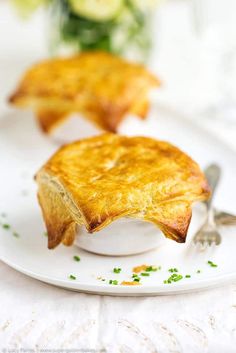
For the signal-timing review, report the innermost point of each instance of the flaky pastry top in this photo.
(101, 86)
(93, 182)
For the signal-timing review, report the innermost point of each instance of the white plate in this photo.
(23, 149)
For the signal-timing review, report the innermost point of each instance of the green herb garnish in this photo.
(187, 276)
(113, 281)
(153, 268)
(173, 278)
(76, 258)
(116, 269)
(134, 275)
(177, 278)
(145, 274)
(173, 270)
(198, 271)
(136, 279)
(211, 264)
(6, 226)
(72, 277)
(15, 234)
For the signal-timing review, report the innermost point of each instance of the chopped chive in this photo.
(145, 274)
(113, 281)
(116, 269)
(72, 277)
(103, 279)
(178, 278)
(134, 275)
(76, 258)
(211, 264)
(173, 270)
(187, 276)
(173, 278)
(137, 279)
(152, 268)
(6, 226)
(15, 234)
(198, 271)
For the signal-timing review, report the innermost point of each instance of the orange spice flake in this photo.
(127, 283)
(140, 268)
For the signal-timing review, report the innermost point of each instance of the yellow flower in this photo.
(145, 4)
(98, 10)
(26, 7)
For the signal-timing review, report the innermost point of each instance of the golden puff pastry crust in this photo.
(101, 86)
(93, 182)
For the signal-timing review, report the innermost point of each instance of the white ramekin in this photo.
(76, 127)
(126, 236)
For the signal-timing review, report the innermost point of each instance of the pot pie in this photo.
(101, 86)
(95, 181)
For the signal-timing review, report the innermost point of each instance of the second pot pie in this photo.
(101, 86)
(95, 181)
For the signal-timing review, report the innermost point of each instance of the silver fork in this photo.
(208, 233)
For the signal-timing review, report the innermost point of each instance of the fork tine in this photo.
(207, 237)
(203, 245)
(210, 241)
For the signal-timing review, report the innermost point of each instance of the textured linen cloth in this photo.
(37, 316)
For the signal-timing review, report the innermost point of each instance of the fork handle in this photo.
(212, 173)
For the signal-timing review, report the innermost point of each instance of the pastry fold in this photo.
(102, 87)
(93, 182)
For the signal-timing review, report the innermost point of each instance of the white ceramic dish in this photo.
(126, 236)
(23, 149)
(76, 127)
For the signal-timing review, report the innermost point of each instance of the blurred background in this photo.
(190, 44)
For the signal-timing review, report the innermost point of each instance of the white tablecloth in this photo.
(36, 316)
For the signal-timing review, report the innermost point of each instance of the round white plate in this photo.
(23, 149)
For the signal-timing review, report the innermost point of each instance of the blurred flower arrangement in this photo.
(118, 26)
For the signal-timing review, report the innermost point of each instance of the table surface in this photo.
(35, 316)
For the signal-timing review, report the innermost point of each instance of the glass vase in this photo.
(127, 33)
